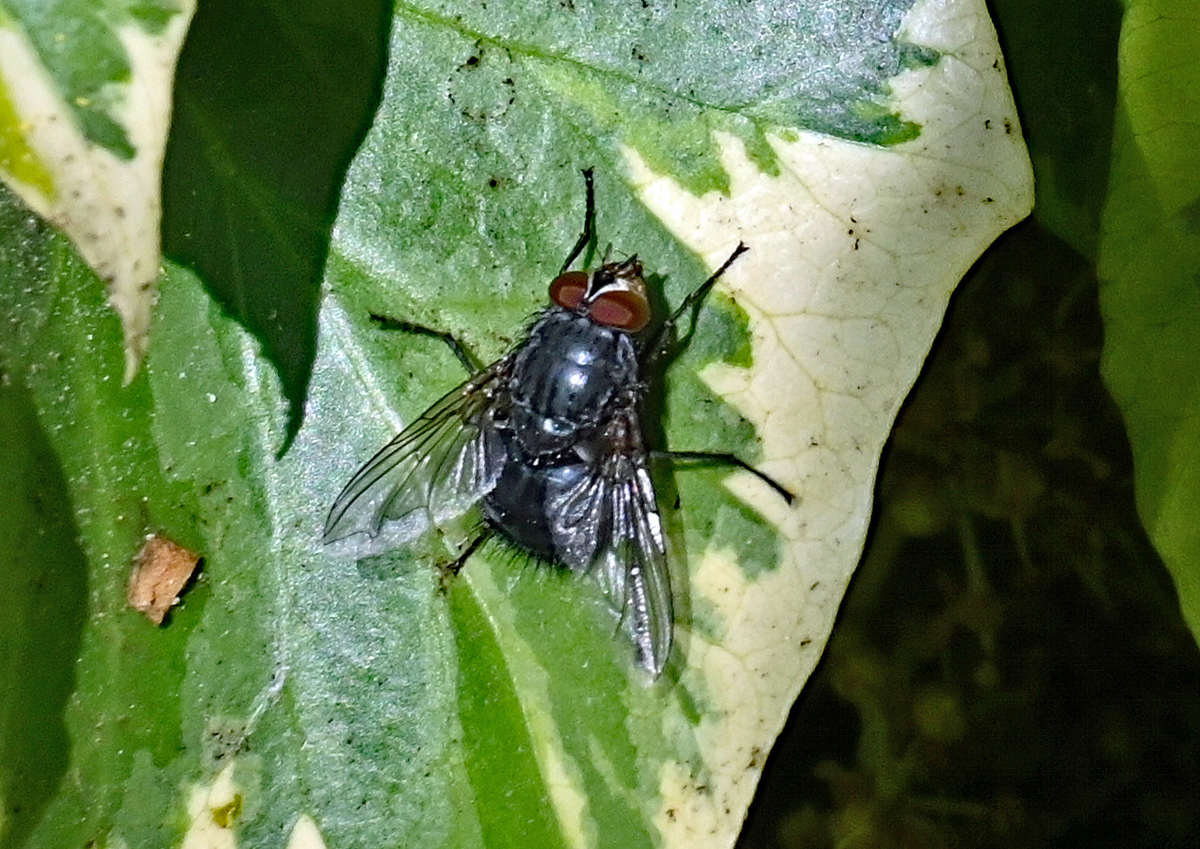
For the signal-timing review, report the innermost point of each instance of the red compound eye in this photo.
(568, 289)
(622, 309)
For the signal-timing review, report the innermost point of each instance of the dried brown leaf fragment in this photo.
(161, 570)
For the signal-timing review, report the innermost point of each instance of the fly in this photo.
(548, 441)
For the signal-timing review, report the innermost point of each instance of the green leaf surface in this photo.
(61, 343)
(1150, 253)
(381, 702)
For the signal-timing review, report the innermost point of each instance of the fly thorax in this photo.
(565, 379)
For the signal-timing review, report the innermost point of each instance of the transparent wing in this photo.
(606, 522)
(433, 471)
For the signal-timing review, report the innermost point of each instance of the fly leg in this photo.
(470, 362)
(589, 221)
(664, 337)
(449, 571)
(707, 458)
(664, 340)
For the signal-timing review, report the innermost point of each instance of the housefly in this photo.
(548, 442)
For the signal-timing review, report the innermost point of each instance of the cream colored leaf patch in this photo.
(213, 811)
(854, 252)
(105, 194)
(305, 835)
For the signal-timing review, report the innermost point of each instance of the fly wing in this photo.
(606, 522)
(433, 471)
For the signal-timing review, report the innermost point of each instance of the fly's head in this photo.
(613, 295)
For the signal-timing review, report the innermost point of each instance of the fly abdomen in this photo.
(517, 506)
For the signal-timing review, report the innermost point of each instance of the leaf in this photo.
(271, 102)
(1063, 67)
(63, 346)
(1150, 249)
(84, 110)
(378, 703)
(835, 229)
